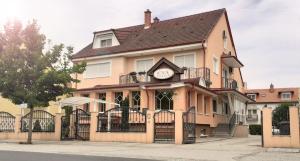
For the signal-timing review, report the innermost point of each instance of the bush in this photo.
(255, 129)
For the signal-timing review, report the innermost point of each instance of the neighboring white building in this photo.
(271, 97)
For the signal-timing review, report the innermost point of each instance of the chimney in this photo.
(271, 88)
(156, 20)
(147, 19)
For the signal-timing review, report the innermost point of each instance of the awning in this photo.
(79, 101)
(231, 61)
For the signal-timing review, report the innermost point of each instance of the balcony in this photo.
(229, 83)
(252, 117)
(189, 73)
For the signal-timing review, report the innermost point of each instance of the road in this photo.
(33, 156)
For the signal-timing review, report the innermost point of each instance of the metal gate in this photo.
(189, 125)
(76, 125)
(164, 126)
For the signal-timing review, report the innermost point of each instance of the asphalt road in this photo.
(32, 156)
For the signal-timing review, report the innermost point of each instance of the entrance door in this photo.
(76, 125)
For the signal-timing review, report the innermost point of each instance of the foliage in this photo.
(125, 114)
(37, 126)
(255, 129)
(280, 114)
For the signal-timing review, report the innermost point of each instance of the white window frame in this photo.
(100, 62)
(185, 54)
(105, 42)
(142, 59)
(250, 96)
(216, 67)
(286, 93)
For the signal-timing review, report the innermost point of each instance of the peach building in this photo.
(272, 98)
(169, 65)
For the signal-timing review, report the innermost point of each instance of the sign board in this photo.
(163, 73)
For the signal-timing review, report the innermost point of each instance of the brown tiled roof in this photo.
(178, 31)
(266, 96)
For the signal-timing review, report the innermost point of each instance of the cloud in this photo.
(266, 32)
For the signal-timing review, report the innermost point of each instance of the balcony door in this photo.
(225, 77)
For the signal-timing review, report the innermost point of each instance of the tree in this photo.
(281, 113)
(31, 74)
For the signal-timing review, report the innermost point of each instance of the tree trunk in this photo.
(29, 139)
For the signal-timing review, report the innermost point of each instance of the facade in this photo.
(272, 98)
(169, 65)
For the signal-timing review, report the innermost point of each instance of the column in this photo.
(294, 126)
(58, 126)
(109, 98)
(150, 127)
(178, 127)
(94, 105)
(93, 125)
(179, 99)
(267, 126)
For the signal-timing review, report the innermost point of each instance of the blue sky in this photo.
(266, 32)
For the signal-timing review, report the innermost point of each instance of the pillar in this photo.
(267, 126)
(58, 126)
(144, 99)
(109, 98)
(94, 105)
(179, 99)
(93, 125)
(178, 127)
(294, 126)
(150, 126)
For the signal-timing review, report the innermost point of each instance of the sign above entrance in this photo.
(163, 73)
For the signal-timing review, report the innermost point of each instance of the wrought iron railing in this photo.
(42, 121)
(232, 122)
(7, 122)
(189, 126)
(252, 117)
(196, 73)
(280, 123)
(134, 77)
(229, 83)
(121, 119)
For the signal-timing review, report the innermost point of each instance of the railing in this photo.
(196, 73)
(229, 83)
(280, 123)
(42, 121)
(121, 119)
(252, 117)
(189, 73)
(232, 122)
(7, 122)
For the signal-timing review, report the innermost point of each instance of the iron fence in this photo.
(164, 126)
(121, 119)
(189, 126)
(7, 122)
(42, 121)
(280, 123)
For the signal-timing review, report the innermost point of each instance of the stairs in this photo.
(222, 131)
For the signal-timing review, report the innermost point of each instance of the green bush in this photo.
(255, 129)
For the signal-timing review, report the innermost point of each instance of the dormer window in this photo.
(286, 96)
(103, 40)
(252, 96)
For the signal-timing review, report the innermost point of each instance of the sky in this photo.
(266, 32)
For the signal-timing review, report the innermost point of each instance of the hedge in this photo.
(255, 129)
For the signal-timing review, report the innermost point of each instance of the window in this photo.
(286, 96)
(225, 39)
(226, 108)
(102, 106)
(164, 100)
(143, 65)
(136, 99)
(185, 60)
(254, 112)
(216, 65)
(106, 43)
(98, 70)
(118, 97)
(215, 106)
(252, 96)
(87, 105)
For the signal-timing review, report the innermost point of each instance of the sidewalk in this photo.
(242, 149)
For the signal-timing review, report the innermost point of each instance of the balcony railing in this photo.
(252, 117)
(229, 83)
(189, 73)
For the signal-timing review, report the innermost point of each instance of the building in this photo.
(271, 97)
(168, 65)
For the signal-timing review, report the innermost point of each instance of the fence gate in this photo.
(189, 125)
(164, 126)
(76, 125)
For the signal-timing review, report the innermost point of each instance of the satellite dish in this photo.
(202, 82)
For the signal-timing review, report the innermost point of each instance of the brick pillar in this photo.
(58, 126)
(178, 127)
(144, 99)
(150, 127)
(93, 125)
(179, 99)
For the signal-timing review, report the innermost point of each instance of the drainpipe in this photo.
(204, 58)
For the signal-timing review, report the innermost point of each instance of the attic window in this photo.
(286, 95)
(103, 40)
(225, 39)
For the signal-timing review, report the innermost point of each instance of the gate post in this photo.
(93, 125)
(58, 126)
(150, 126)
(178, 127)
(267, 126)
